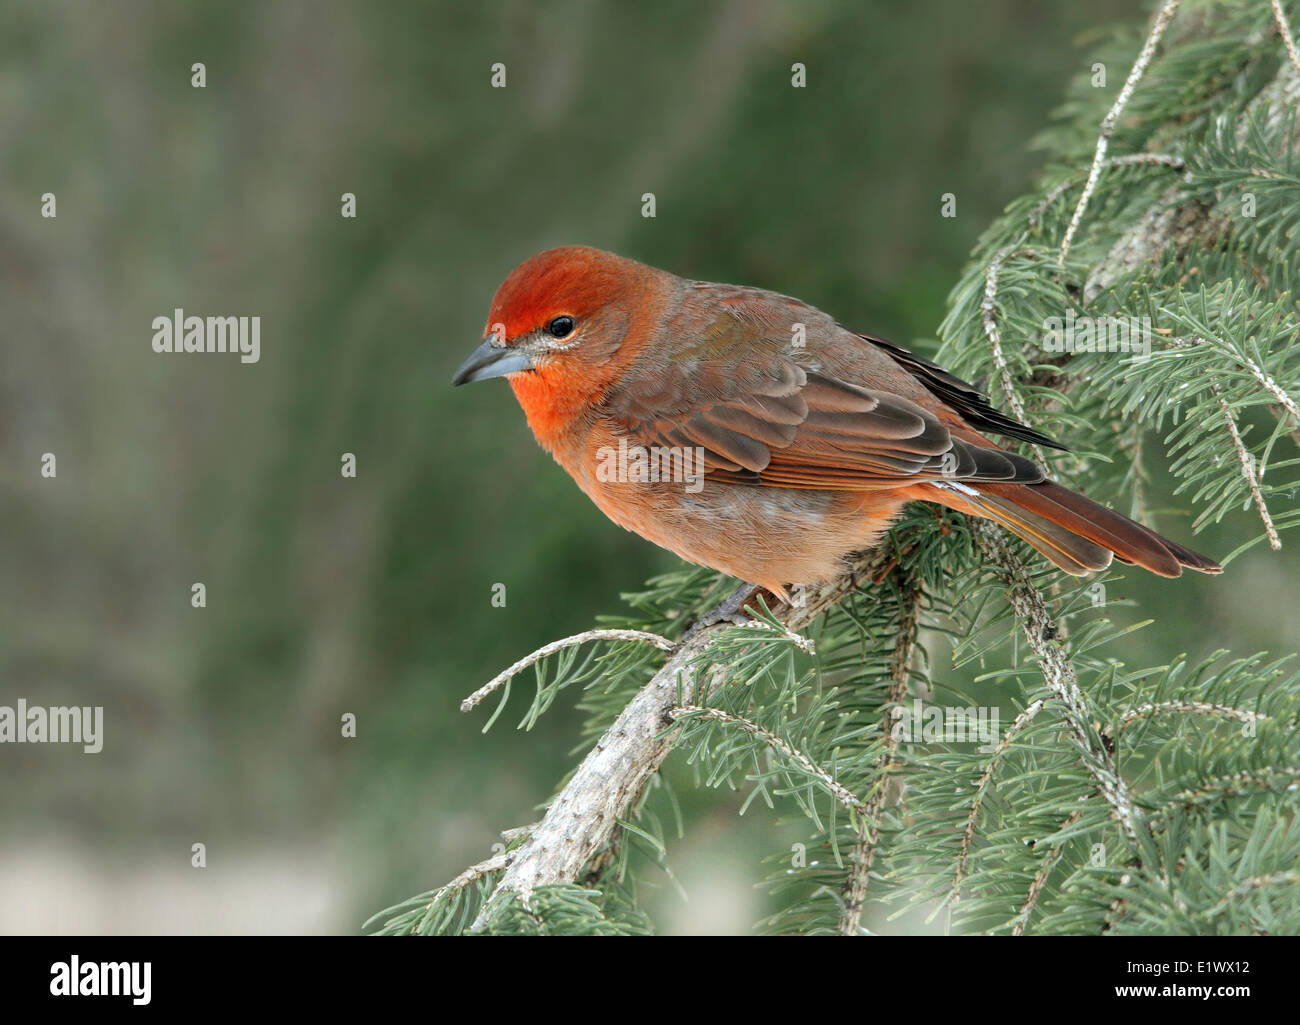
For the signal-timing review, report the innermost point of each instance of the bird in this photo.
(785, 442)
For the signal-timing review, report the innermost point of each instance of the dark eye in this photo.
(560, 327)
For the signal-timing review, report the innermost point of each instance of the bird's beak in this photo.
(490, 360)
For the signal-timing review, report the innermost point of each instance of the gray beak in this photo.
(490, 360)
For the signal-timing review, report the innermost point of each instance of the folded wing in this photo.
(762, 416)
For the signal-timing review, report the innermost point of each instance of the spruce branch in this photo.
(1284, 400)
(1162, 19)
(981, 788)
(584, 815)
(470, 876)
(1247, 886)
(1236, 784)
(1248, 472)
(1283, 409)
(1040, 878)
(1168, 160)
(862, 858)
(1193, 707)
(1059, 674)
(989, 309)
(1179, 218)
(838, 790)
(503, 677)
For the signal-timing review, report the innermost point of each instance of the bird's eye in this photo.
(560, 327)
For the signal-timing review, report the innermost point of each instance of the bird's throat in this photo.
(554, 404)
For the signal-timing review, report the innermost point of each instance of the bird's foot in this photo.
(731, 610)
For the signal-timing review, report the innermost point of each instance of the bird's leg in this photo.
(731, 610)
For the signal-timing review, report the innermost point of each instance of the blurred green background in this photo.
(372, 596)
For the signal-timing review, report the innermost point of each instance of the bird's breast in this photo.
(765, 535)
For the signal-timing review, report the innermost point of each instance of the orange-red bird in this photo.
(812, 437)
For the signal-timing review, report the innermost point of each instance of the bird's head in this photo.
(562, 327)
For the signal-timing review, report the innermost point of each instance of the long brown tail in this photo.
(1076, 533)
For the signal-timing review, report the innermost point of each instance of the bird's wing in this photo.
(764, 414)
(961, 396)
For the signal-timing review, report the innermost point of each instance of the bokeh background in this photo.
(372, 595)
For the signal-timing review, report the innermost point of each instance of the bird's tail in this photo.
(1076, 533)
